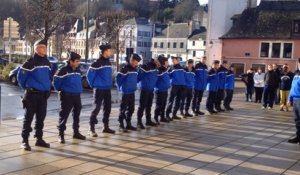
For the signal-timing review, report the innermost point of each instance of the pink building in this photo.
(264, 35)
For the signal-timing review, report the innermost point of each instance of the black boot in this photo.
(122, 127)
(175, 117)
(187, 114)
(295, 140)
(140, 125)
(200, 113)
(25, 145)
(92, 132)
(106, 129)
(78, 136)
(41, 143)
(150, 123)
(130, 127)
(61, 138)
(156, 120)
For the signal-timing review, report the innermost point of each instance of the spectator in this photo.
(271, 82)
(249, 82)
(259, 85)
(277, 91)
(285, 86)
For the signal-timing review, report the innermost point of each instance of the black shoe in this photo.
(175, 117)
(200, 113)
(220, 110)
(169, 118)
(295, 140)
(188, 115)
(156, 120)
(122, 128)
(130, 127)
(92, 132)
(108, 130)
(150, 123)
(164, 120)
(140, 126)
(181, 113)
(25, 145)
(78, 136)
(41, 143)
(214, 112)
(61, 139)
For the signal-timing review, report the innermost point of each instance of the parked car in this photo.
(13, 73)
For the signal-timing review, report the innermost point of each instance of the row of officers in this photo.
(156, 77)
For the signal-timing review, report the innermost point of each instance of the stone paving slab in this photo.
(247, 141)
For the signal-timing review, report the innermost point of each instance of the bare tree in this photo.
(43, 17)
(109, 25)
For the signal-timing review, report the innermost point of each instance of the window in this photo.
(204, 43)
(287, 50)
(264, 50)
(140, 33)
(145, 44)
(256, 66)
(239, 69)
(181, 45)
(155, 45)
(169, 45)
(139, 44)
(297, 26)
(194, 43)
(161, 45)
(194, 53)
(174, 45)
(276, 47)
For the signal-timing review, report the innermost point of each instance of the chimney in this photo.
(252, 3)
(84, 23)
(191, 27)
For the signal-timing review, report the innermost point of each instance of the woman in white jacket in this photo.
(259, 85)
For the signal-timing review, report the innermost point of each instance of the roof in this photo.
(198, 34)
(138, 21)
(176, 30)
(271, 19)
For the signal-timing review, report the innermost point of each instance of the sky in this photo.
(206, 1)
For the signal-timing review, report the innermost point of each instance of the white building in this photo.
(196, 44)
(137, 34)
(173, 40)
(219, 14)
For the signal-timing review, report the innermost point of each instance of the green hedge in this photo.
(5, 70)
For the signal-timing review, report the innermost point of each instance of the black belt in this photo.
(69, 94)
(33, 90)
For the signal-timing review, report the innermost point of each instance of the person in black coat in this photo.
(248, 79)
(285, 85)
(271, 82)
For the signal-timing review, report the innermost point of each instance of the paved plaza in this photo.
(247, 141)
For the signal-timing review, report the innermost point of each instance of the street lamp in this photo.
(87, 32)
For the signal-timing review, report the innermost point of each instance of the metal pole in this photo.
(9, 39)
(0, 105)
(87, 32)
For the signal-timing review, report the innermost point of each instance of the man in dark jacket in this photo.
(286, 79)
(99, 77)
(271, 82)
(212, 87)
(222, 73)
(248, 79)
(68, 82)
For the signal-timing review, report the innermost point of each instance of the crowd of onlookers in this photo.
(271, 86)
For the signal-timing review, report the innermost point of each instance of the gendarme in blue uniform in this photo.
(127, 79)
(212, 80)
(229, 84)
(68, 80)
(36, 74)
(201, 76)
(99, 75)
(147, 76)
(163, 81)
(177, 75)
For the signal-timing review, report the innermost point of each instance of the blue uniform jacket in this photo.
(68, 80)
(222, 74)
(212, 80)
(189, 78)
(201, 76)
(230, 80)
(163, 80)
(35, 73)
(177, 75)
(127, 79)
(99, 75)
(295, 90)
(147, 76)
